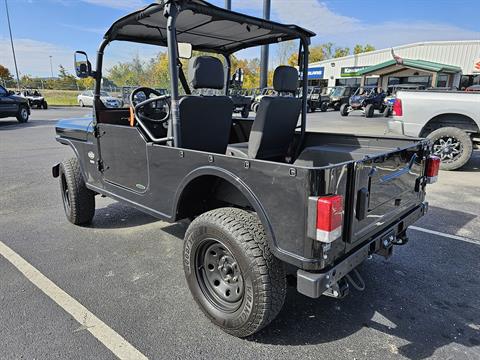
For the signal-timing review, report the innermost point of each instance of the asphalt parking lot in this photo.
(126, 269)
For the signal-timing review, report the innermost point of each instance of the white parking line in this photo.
(455, 237)
(107, 336)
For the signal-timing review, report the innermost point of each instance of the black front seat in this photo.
(275, 122)
(205, 121)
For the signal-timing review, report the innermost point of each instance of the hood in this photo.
(18, 98)
(109, 98)
(357, 99)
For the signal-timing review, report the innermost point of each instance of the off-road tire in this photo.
(369, 110)
(45, 105)
(324, 107)
(22, 115)
(78, 200)
(245, 112)
(263, 275)
(344, 110)
(466, 146)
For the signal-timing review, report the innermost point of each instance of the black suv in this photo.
(13, 105)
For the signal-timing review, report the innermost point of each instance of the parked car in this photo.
(392, 95)
(475, 88)
(35, 98)
(263, 201)
(313, 98)
(366, 99)
(86, 99)
(13, 105)
(339, 95)
(450, 119)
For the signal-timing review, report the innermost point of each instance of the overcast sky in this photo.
(43, 28)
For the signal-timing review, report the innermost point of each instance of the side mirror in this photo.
(11, 92)
(184, 50)
(83, 68)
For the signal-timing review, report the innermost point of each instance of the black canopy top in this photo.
(205, 26)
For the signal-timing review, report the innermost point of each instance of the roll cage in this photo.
(207, 28)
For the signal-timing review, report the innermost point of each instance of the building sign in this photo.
(476, 66)
(351, 71)
(315, 73)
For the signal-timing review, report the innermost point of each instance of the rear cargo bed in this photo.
(383, 178)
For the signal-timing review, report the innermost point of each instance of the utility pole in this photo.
(51, 66)
(13, 48)
(228, 4)
(264, 54)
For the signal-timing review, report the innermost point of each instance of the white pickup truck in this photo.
(451, 119)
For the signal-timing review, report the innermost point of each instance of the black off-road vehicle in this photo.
(338, 96)
(367, 99)
(313, 99)
(13, 105)
(261, 194)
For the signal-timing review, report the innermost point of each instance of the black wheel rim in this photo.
(448, 149)
(219, 276)
(65, 195)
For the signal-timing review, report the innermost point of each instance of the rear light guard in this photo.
(432, 168)
(326, 218)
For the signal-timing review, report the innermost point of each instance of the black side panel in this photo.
(124, 156)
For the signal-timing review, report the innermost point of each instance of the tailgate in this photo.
(383, 189)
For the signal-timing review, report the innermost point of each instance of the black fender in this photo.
(240, 185)
(56, 170)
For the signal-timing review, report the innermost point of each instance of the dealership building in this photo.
(432, 64)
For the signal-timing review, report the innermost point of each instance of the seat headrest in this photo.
(206, 72)
(285, 79)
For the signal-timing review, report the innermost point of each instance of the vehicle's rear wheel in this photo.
(324, 107)
(45, 105)
(245, 112)
(344, 110)
(22, 115)
(369, 110)
(78, 200)
(233, 276)
(81, 103)
(452, 145)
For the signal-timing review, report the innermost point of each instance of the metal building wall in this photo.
(458, 53)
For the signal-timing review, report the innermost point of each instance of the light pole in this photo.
(13, 48)
(228, 4)
(51, 66)
(264, 54)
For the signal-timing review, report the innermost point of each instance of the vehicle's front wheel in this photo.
(22, 115)
(453, 146)
(45, 105)
(369, 110)
(81, 103)
(231, 272)
(78, 200)
(324, 107)
(344, 110)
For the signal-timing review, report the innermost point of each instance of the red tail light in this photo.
(433, 165)
(329, 218)
(397, 107)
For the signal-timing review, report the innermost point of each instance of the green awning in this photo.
(415, 64)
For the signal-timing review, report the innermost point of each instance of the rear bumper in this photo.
(315, 284)
(395, 127)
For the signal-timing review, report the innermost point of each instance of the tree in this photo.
(285, 50)
(5, 74)
(358, 49)
(65, 79)
(340, 52)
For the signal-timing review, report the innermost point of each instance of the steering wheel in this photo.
(154, 109)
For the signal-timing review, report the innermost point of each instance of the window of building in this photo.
(372, 81)
(348, 82)
(442, 80)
